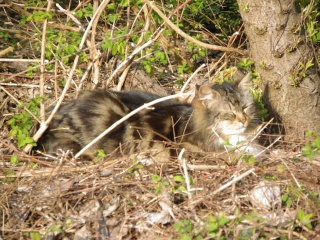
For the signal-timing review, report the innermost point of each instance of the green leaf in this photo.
(148, 68)
(14, 160)
(35, 236)
(181, 189)
(57, 229)
(222, 219)
(114, 50)
(178, 178)
(183, 226)
(305, 218)
(156, 178)
(111, 6)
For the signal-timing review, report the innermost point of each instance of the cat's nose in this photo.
(241, 118)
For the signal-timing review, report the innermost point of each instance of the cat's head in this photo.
(228, 108)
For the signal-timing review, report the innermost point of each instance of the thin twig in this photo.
(192, 76)
(42, 64)
(71, 16)
(94, 52)
(243, 175)
(19, 85)
(20, 60)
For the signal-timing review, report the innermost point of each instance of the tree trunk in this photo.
(279, 49)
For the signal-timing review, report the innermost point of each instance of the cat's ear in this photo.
(206, 97)
(245, 83)
(207, 93)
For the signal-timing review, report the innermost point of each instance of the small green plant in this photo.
(195, 49)
(183, 68)
(214, 224)
(179, 180)
(184, 228)
(160, 183)
(85, 12)
(312, 148)
(32, 68)
(179, 188)
(100, 155)
(257, 94)
(225, 75)
(136, 167)
(299, 73)
(8, 178)
(304, 218)
(35, 236)
(212, 227)
(246, 64)
(287, 199)
(56, 229)
(157, 59)
(14, 160)
(40, 16)
(310, 12)
(245, 7)
(21, 123)
(36, 3)
(115, 46)
(5, 36)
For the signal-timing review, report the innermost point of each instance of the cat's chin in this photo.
(232, 131)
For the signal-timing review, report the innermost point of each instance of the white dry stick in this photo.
(185, 167)
(19, 85)
(185, 171)
(192, 76)
(71, 15)
(205, 167)
(21, 60)
(243, 175)
(42, 66)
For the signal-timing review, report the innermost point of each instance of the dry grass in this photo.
(122, 199)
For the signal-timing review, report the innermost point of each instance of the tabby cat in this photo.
(220, 114)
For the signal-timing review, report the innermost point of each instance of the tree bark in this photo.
(278, 46)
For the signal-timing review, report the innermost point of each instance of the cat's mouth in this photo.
(226, 128)
(233, 131)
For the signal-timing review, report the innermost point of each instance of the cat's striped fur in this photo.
(219, 114)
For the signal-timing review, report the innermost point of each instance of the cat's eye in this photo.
(229, 116)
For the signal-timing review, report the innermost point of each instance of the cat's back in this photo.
(78, 122)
